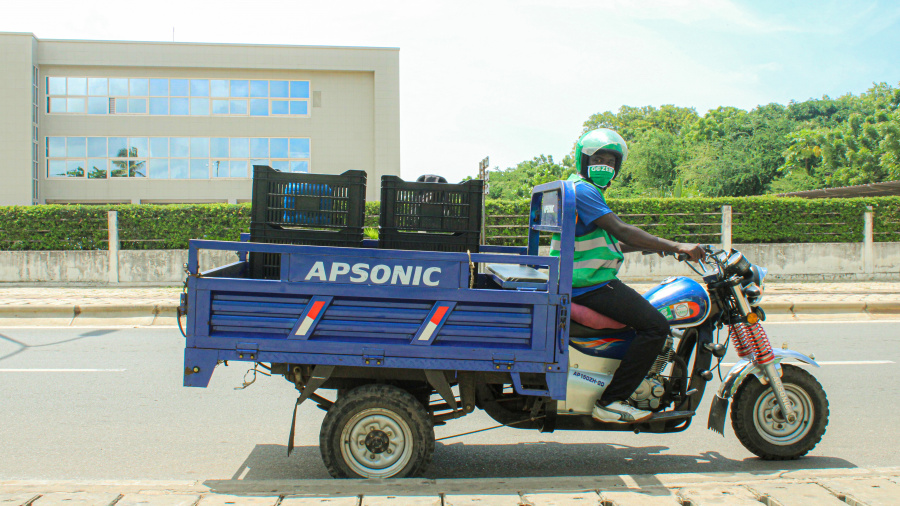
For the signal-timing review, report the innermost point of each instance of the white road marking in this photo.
(838, 362)
(62, 370)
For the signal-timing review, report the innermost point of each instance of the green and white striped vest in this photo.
(598, 255)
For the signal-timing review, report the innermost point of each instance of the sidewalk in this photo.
(146, 306)
(826, 487)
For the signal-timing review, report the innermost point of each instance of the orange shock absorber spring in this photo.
(740, 338)
(760, 343)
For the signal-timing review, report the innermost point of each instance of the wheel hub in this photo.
(377, 441)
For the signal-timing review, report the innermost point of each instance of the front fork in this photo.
(757, 358)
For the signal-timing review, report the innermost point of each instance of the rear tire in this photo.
(376, 431)
(760, 425)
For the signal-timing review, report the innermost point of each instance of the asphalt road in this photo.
(108, 404)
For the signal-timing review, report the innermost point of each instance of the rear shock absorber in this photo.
(751, 339)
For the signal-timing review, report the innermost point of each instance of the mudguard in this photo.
(735, 378)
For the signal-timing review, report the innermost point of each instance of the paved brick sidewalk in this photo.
(863, 487)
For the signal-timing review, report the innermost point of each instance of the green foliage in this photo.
(762, 219)
(53, 227)
(517, 182)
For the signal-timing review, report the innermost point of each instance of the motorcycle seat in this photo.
(578, 330)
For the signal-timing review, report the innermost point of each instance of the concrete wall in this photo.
(786, 262)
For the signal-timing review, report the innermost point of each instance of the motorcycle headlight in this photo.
(757, 276)
(753, 293)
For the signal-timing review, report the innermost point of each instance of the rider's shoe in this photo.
(619, 412)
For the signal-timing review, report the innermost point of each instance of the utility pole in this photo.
(484, 176)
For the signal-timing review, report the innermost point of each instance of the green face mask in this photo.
(601, 175)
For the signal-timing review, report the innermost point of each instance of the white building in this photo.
(164, 122)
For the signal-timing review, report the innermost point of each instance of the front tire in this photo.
(376, 431)
(761, 426)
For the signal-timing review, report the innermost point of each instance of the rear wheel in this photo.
(763, 429)
(376, 431)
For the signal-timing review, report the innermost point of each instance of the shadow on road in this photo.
(21, 346)
(564, 466)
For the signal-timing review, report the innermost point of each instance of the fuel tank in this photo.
(683, 301)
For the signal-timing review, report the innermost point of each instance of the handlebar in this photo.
(681, 257)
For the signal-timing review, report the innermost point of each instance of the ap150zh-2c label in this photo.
(376, 271)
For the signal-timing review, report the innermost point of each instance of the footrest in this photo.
(514, 277)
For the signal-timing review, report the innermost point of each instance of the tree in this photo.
(517, 182)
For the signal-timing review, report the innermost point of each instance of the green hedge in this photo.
(755, 220)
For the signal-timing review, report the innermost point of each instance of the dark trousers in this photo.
(620, 302)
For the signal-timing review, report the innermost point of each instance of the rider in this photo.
(601, 238)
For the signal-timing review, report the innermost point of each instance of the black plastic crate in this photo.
(431, 207)
(313, 201)
(268, 265)
(389, 238)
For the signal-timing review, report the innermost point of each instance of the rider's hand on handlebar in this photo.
(694, 252)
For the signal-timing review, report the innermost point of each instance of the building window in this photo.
(172, 157)
(35, 80)
(177, 97)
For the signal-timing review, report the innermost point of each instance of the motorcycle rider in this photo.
(601, 239)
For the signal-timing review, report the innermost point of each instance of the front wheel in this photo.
(761, 426)
(376, 431)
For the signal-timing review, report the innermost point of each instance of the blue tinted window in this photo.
(159, 87)
(278, 89)
(301, 166)
(259, 161)
(56, 146)
(96, 146)
(199, 88)
(57, 105)
(218, 147)
(98, 86)
(118, 147)
(56, 86)
(98, 105)
(259, 107)
(239, 168)
(56, 168)
(137, 168)
(238, 107)
(75, 168)
(279, 107)
(220, 107)
(219, 168)
(178, 106)
(139, 87)
(137, 105)
(138, 147)
(281, 165)
(240, 148)
(75, 147)
(298, 107)
(299, 148)
(199, 107)
(278, 148)
(259, 88)
(179, 147)
(159, 169)
(259, 148)
(118, 168)
(96, 168)
(118, 87)
(159, 106)
(199, 168)
(178, 168)
(240, 88)
(299, 89)
(178, 87)
(121, 105)
(159, 147)
(218, 88)
(77, 85)
(75, 105)
(199, 147)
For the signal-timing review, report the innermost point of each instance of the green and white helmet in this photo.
(601, 139)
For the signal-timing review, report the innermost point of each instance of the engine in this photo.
(648, 394)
